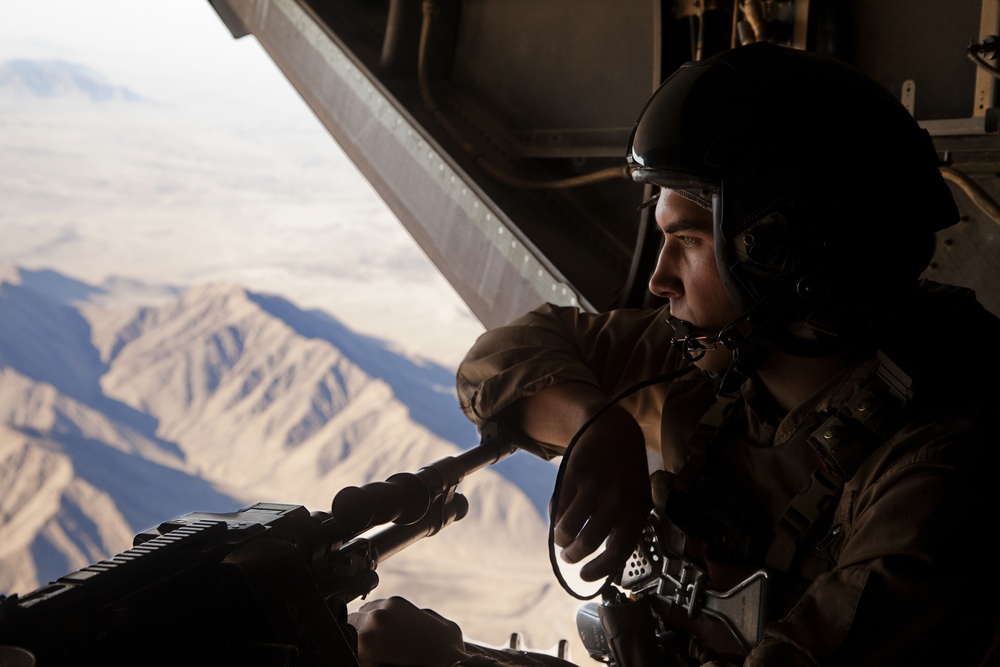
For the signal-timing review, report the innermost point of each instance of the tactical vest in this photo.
(700, 595)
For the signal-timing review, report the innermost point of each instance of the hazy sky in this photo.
(166, 49)
(249, 187)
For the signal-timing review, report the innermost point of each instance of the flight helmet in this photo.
(826, 194)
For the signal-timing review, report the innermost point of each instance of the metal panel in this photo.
(920, 45)
(565, 80)
(471, 241)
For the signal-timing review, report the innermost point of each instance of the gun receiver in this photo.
(268, 584)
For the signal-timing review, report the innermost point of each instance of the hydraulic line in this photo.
(983, 52)
(975, 193)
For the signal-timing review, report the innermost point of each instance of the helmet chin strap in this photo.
(747, 341)
(693, 345)
(751, 336)
(747, 352)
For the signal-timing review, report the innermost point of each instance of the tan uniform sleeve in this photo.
(554, 344)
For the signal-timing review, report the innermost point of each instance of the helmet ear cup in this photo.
(775, 268)
(754, 239)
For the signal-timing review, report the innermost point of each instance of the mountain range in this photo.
(59, 78)
(184, 190)
(124, 405)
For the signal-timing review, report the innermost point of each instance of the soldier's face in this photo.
(686, 271)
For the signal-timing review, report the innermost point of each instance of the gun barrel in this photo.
(394, 539)
(350, 572)
(405, 498)
(495, 445)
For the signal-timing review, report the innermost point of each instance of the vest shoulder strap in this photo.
(841, 442)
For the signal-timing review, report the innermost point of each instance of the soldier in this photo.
(821, 412)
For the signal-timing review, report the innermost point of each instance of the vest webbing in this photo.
(842, 442)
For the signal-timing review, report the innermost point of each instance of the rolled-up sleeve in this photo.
(556, 344)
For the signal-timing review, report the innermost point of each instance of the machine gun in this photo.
(266, 585)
